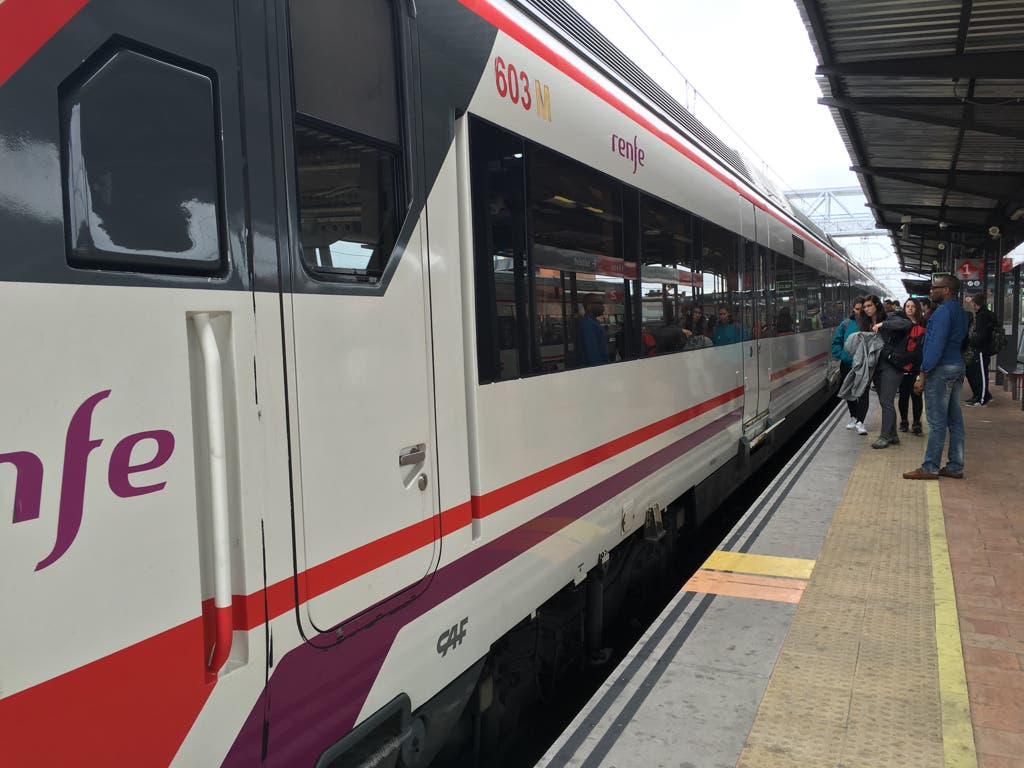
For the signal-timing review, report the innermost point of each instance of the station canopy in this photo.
(929, 100)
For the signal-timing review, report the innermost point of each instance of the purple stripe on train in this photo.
(317, 693)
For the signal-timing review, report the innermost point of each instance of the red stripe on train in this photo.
(797, 366)
(496, 18)
(26, 25)
(498, 499)
(149, 695)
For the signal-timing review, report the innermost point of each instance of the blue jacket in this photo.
(843, 332)
(728, 333)
(593, 341)
(947, 328)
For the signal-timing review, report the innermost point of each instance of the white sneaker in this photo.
(852, 424)
(861, 429)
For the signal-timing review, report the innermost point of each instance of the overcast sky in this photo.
(752, 61)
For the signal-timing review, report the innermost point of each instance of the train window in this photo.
(347, 135)
(834, 304)
(556, 283)
(674, 317)
(784, 295)
(499, 215)
(807, 294)
(720, 284)
(751, 299)
(344, 65)
(581, 283)
(140, 167)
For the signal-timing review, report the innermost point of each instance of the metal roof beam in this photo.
(879, 170)
(935, 213)
(998, 65)
(873, 107)
(920, 178)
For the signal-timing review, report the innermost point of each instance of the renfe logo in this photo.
(630, 151)
(78, 444)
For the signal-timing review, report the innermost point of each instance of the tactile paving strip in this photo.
(857, 682)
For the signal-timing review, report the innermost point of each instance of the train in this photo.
(302, 459)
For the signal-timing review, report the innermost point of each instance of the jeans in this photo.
(942, 408)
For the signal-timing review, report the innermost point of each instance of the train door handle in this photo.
(414, 454)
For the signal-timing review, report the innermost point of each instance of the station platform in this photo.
(851, 618)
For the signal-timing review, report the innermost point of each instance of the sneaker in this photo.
(978, 404)
(916, 429)
(987, 400)
(880, 443)
(904, 426)
(852, 424)
(920, 474)
(861, 429)
(971, 401)
(947, 473)
(894, 441)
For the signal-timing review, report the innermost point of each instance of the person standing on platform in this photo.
(893, 329)
(847, 327)
(911, 359)
(926, 310)
(981, 346)
(864, 347)
(941, 379)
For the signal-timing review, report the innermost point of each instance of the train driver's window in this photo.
(348, 135)
(139, 156)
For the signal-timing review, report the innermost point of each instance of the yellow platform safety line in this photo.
(957, 731)
(762, 565)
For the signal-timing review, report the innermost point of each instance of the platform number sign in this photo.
(971, 273)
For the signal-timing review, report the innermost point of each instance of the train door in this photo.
(357, 316)
(756, 373)
(130, 352)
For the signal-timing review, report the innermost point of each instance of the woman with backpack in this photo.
(847, 327)
(911, 356)
(892, 329)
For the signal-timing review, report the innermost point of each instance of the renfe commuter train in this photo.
(301, 459)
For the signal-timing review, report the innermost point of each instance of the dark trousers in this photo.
(887, 381)
(977, 377)
(860, 406)
(907, 394)
(844, 370)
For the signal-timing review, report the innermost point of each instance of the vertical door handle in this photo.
(216, 457)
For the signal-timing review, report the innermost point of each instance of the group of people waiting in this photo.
(914, 350)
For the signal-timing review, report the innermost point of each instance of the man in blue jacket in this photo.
(942, 378)
(592, 340)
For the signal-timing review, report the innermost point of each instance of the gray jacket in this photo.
(864, 347)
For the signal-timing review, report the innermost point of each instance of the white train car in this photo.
(308, 449)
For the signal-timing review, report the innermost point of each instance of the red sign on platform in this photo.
(969, 270)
